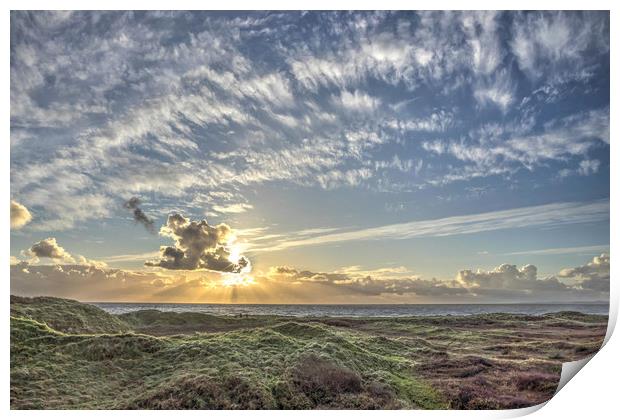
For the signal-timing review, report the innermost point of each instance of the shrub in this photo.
(322, 380)
(205, 393)
(182, 394)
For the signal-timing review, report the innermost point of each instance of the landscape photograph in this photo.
(290, 210)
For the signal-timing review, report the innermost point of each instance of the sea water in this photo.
(391, 310)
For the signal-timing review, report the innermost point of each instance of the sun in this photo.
(234, 252)
(234, 256)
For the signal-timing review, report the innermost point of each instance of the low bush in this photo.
(321, 380)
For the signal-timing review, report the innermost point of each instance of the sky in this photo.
(291, 157)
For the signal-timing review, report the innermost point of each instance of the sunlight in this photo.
(237, 279)
(235, 252)
(306, 210)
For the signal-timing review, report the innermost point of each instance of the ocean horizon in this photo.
(358, 310)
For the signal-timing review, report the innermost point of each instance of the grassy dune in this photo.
(65, 354)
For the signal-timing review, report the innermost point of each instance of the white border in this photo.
(592, 395)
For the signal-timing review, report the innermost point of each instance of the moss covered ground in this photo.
(66, 354)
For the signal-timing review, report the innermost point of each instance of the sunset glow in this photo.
(369, 157)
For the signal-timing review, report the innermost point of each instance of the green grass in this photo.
(67, 315)
(65, 354)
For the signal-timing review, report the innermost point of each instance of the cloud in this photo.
(274, 106)
(508, 277)
(503, 150)
(85, 282)
(481, 29)
(498, 92)
(562, 251)
(232, 208)
(506, 282)
(49, 248)
(199, 245)
(354, 284)
(272, 88)
(570, 136)
(20, 215)
(96, 283)
(589, 166)
(352, 177)
(558, 43)
(437, 121)
(130, 257)
(138, 215)
(382, 56)
(594, 275)
(83, 261)
(356, 101)
(547, 215)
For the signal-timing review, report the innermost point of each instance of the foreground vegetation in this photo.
(65, 354)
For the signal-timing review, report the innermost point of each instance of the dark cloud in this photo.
(138, 215)
(199, 245)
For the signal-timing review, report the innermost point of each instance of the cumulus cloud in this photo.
(593, 275)
(508, 277)
(49, 248)
(504, 283)
(370, 285)
(20, 215)
(199, 245)
(138, 215)
(82, 260)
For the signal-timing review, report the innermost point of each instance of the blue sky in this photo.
(399, 147)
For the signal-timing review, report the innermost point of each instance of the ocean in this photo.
(396, 310)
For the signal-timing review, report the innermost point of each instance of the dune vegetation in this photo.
(69, 355)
